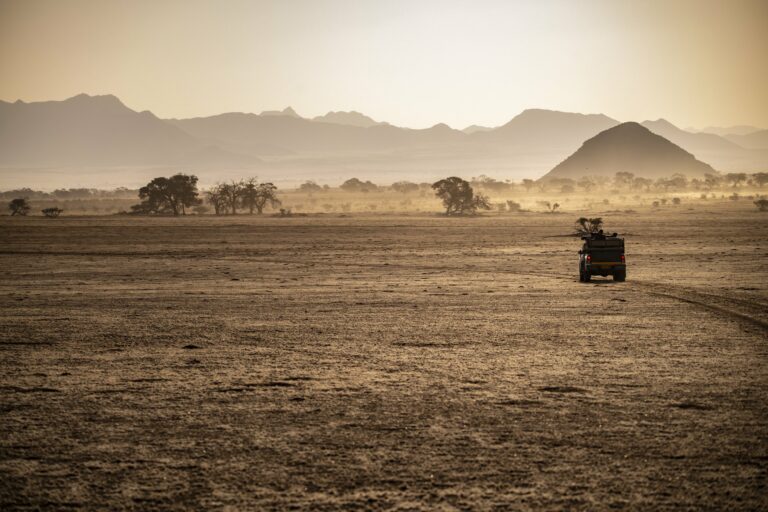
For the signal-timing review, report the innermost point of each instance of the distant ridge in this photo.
(476, 128)
(351, 118)
(95, 131)
(754, 140)
(693, 142)
(102, 134)
(725, 131)
(629, 147)
(537, 129)
(287, 111)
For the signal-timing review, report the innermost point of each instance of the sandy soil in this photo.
(383, 362)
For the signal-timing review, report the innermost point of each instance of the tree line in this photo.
(177, 194)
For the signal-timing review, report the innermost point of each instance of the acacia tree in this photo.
(257, 195)
(19, 206)
(585, 226)
(623, 179)
(712, 181)
(52, 212)
(355, 185)
(231, 194)
(760, 179)
(216, 199)
(310, 187)
(552, 207)
(640, 183)
(404, 187)
(736, 178)
(168, 195)
(586, 183)
(458, 196)
(528, 184)
(678, 181)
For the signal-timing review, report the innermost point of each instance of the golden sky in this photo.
(410, 62)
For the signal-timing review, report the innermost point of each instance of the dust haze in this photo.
(405, 256)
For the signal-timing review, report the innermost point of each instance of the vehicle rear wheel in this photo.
(620, 276)
(587, 277)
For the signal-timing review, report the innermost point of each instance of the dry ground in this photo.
(383, 362)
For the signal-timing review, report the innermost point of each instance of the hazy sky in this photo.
(412, 63)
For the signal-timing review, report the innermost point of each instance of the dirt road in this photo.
(382, 362)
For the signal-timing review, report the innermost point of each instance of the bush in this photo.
(551, 207)
(585, 226)
(355, 185)
(52, 212)
(405, 187)
(762, 204)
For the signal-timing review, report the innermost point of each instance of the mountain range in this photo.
(101, 132)
(725, 131)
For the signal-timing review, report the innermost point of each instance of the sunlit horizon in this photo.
(415, 65)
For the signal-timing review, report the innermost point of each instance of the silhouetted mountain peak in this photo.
(351, 118)
(624, 129)
(474, 128)
(628, 147)
(287, 111)
(694, 142)
(88, 130)
(543, 113)
(659, 123)
(101, 100)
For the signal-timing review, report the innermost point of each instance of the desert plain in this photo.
(383, 361)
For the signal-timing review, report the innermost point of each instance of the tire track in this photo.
(752, 312)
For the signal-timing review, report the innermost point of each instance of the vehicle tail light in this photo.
(589, 258)
(622, 259)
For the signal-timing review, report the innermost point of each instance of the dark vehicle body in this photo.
(602, 255)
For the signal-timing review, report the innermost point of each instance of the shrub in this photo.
(52, 212)
(585, 226)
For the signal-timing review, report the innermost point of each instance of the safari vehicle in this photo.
(602, 255)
